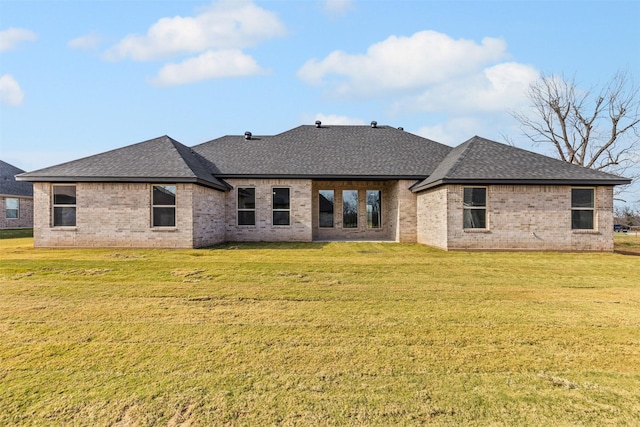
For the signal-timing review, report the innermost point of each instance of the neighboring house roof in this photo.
(158, 160)
(326, 152)
(482, 161)
(8, 184)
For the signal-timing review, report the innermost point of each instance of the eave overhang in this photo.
(153, 180)
(416, 188)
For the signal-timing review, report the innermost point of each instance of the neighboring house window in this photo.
(164, 206)
(326, 201)
(350, 209)
(246, 206)
(64, 205)
(582, 213)
(374, 209)
(475, 207)
(12, 208)
(281, 206)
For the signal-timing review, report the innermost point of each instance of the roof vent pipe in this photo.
(247, 135)
(374, 124)
(318, 123)
(400, 128)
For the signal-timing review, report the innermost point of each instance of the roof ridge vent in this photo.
(374, 124)
(247, 135)
(318, 124)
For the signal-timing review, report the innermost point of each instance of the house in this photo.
(322, 183)
(16, 199)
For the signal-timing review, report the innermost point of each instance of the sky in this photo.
(80, 77)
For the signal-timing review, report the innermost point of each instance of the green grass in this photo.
(16, 233)
(317, 334)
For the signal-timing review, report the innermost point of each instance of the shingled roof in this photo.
(8, 184)
(158, 160)
(482, 161)
(326, 152)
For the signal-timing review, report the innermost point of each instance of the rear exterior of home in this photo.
(324, 183)
(16, 199)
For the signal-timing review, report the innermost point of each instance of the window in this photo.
(374, 209)
(350, 209)
(325, 200)
(475, 208)
(164, 206)
(64, 205)
(582, 203)
(246, 206)
(12, 208)
(281, 206)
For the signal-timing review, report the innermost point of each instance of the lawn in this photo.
(318, 334)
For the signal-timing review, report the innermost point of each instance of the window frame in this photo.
(333, 209)
(239, 209)
(55, 206)
(471, 208)
(7, 208)
(355, 226)
(370, 214)
(275, 210)
(591, 209)
(155, 206)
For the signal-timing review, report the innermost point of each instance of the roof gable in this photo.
(326, 151)
(481, 160)
(8, 184)
(157, 160)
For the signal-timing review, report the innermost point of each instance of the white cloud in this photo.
(227, 24)
(404, 63)
(10, 91)
(337, 7)
(453, 132)
(334, 119)
(495, 88)
(209, 65)
(86, 42)
(10, 37)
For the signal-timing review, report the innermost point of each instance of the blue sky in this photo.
(81, 77)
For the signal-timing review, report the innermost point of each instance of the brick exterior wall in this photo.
(25, 213)
(119, 215)
(432, 218)
(299, 229)
(519, 217)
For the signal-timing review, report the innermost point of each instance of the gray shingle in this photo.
(328, 151)
(8, 184)
(483, 161)
(157, 160)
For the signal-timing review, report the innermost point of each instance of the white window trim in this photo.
(592, 209)
(54, 206)
(238, 210)
(273, 210)
(174, 206)
(6, 209)
(485, 208)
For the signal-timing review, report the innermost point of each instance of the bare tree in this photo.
(598, 129)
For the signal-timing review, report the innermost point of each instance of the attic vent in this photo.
(374, 124)
(247, 135)
(318, 123)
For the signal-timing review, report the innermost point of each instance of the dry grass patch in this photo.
(317, 334)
